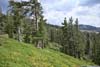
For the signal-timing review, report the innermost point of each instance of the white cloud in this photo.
(89, 15)
(56, 10)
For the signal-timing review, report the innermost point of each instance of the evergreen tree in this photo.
(35, 11)
(72, 41)
(2, 22)
(10, 29)
(51, 35)
(16, 11)
(78, 41)
(65, 44)
(96, 48)
(27, 30)
(71, 37)
(42, 33)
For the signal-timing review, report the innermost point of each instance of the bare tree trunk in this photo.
(40, 44)
(36, 21)
(19, 34)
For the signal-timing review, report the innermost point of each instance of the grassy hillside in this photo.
(15, 54)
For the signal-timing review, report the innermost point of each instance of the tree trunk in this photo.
(40, 44)
(19, 34)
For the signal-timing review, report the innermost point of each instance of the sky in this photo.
(87, 11)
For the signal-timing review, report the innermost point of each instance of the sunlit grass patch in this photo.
(15, 54)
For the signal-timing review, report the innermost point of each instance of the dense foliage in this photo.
(79, 44)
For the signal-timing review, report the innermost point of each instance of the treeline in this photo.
(24, 22)
(82, 45)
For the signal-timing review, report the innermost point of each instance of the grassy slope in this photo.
(15, 54)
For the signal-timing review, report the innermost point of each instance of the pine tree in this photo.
(42, 31)
(65, 44)
(41, 36)
(10, 29)
(35, 11)
(71, 37)
(96, 57)
(78, 40)
(27, 30)
(72, 40)
(2, 22)
(16, 11)
(51, 35)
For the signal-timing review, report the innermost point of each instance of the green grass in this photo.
(15, 54)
